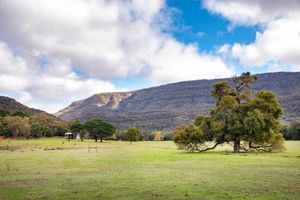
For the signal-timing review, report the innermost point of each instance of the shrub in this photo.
(158, 136)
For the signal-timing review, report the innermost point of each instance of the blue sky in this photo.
(192, 23)
(53, 52)
(206, 29)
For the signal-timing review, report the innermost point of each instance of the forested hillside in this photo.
(166, 106)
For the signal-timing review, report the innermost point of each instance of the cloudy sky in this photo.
(53, 52)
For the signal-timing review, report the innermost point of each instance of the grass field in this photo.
(58, 169)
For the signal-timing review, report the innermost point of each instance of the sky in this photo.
(54, 52)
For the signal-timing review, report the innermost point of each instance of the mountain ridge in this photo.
(12, 105)
(155, 109)
(163, 107)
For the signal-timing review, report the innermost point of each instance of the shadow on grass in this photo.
(243, 153)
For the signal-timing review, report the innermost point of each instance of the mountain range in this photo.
(164, 107)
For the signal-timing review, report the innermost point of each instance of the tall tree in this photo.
(36, 130)
(132, 134)
(18, 126)
(51, 125)
(99, 128)
(158, 136)
(78, 127)
(238, 116)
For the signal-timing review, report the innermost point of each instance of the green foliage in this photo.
(113, 137)
(40, 124)
(237, 117)
(142, 135)
(147, 135)
(50, 126)
(17, 126)
(121, 135)
(168, 136)
(220, 90)
(76, 126)
(132, 134)
(99, 128)
(36, 130)
(4, 113)
(20, 114)
(79, 128)
(189, 137)
(292, 130)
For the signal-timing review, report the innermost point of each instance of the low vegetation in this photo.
(54, 168)
(24, 125)
(133, 134)
(291, 130)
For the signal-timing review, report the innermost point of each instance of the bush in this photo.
(292, 130)
(36, 130)
(113, 137)
(158, 136)
(121, 135)
(168, 136)
(148, 136)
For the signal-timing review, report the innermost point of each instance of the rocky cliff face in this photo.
(164, 107)
(91, 106)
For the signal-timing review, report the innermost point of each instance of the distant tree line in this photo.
(127, 135)
(23, 125)
(98, 129)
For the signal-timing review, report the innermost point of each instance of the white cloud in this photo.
(252, 12)
(103, 39)
(12, 70)
(50, 88)
(278, 42)
(106, 39)
(190, 66)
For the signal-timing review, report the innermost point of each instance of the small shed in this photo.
(70, 136)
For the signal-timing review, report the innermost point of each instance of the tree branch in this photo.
(260, 147)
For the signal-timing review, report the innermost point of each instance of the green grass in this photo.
(143, 170)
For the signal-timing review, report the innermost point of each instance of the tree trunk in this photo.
(100, 139)
(237, 145)
(95, 138)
